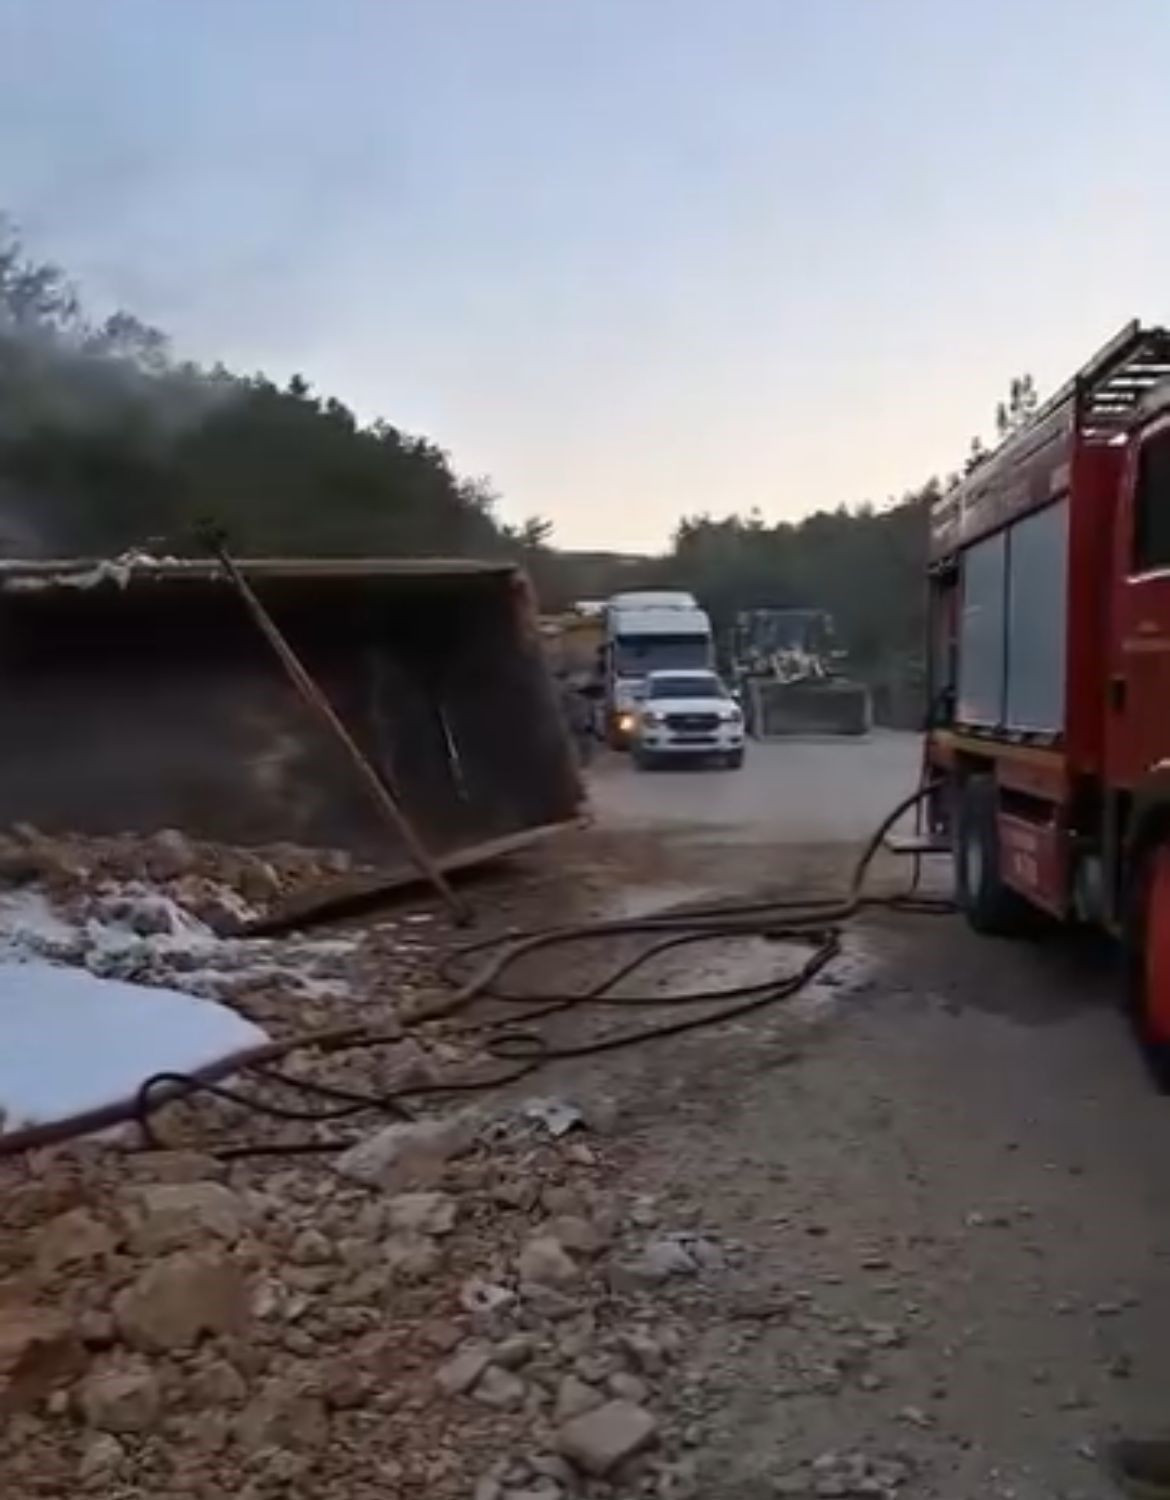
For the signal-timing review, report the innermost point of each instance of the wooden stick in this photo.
(317, 702)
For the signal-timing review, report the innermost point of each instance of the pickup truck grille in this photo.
(692, 723)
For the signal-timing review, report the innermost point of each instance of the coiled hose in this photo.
(522, 1049)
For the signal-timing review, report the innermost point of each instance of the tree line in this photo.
(108, 442)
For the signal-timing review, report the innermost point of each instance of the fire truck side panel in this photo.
(1035, 625)
(981, 643)
(1034, 858)
(1096, 478)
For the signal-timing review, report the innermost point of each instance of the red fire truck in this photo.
(1050, 670)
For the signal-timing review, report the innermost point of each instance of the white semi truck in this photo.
(648, 631)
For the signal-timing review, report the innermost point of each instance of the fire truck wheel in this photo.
(1148, 958)
(989, 905)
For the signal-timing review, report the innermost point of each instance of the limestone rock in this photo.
(102, 1456)
(75, 1238)
(500, 1389)
(422, 1213)
(311, 1248)
(513, 1352)
(410, 1257)
(408, 1153)
(39, 1351)
(627, 1387)
(574, 1397)
(120, 1397)
(601, 1439)
(545, 1260)
(177, 1299)
(171, 1216)
(581, 1235)
(285, 1414)
(658, 1262)
(218, 1383)
(176, 1166)
(462, 1370)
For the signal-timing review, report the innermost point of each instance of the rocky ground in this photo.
(905, 1235)
(463, 1303)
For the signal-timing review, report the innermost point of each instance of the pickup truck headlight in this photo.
(732, 716)
(651, 718)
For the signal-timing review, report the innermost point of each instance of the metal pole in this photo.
(317, 702)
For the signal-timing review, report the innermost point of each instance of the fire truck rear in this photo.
(1050, 671)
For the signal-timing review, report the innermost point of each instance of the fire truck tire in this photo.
(989, 905)
(1147, 944)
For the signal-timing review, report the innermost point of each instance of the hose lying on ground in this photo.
(522, 1050)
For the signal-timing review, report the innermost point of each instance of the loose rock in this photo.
(177, 1299)
(72, 1239)
(422, 1213)
(408, 1153)
(168, 1216)
(545, 1261)
(461, 1372)
(39, 1350)
(574, 1397)
(121, 1397)
(600, 1440)
(500, 1389)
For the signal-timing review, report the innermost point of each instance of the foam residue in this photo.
(134, 931)
(71, 1042)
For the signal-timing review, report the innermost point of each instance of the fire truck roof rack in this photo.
(1111, 386)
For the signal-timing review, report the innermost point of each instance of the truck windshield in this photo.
(635, 655)
(693, 685)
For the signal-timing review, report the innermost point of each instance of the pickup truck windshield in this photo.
(635, 655)
(695, 685)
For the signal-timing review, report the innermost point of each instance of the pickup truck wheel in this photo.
(989, 905)
(645, 760)
(1148, 959)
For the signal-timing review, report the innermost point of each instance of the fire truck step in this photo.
(917, 843)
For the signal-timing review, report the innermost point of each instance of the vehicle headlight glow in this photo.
(625, 722)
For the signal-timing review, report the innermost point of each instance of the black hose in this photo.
(814, 923)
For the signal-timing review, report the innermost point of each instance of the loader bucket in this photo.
(829, 706)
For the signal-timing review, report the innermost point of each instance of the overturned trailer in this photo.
(139, 694)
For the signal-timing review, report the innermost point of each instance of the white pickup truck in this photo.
(687, 715)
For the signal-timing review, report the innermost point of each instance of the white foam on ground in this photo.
(136, 932)
(29, 925)
(71, 1042)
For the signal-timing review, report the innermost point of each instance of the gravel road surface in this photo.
(940, 1177)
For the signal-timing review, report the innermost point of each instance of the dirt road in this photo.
(800, 791)
(905, 1234)
(940, 1179)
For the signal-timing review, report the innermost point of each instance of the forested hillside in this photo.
(108, 442)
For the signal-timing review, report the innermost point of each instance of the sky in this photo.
(631, 259)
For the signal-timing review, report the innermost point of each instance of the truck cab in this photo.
(649, 631)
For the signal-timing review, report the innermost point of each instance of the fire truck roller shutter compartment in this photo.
(1037, 558)
(981, 663)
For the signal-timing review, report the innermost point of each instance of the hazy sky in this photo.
(630, 258)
